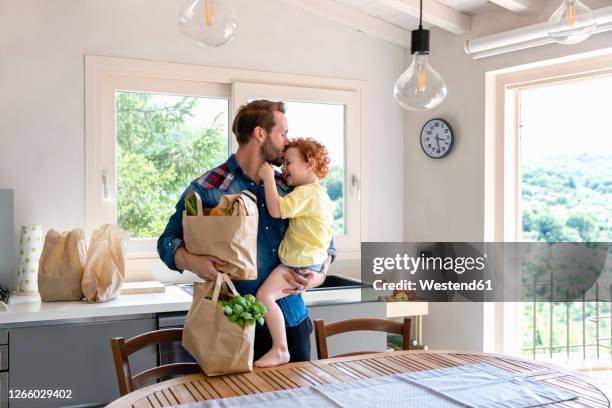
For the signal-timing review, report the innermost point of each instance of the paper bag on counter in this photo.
(61, 265)
(219, 345)
(105, 267)
(231, 237)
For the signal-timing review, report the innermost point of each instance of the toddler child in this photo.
(304, 246)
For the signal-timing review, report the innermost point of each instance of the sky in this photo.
(567, 119)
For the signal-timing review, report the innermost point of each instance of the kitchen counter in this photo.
(30, 311)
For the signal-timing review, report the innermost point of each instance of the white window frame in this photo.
(106, 75)
(503, 212)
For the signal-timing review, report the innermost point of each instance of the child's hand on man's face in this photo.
(266, 171)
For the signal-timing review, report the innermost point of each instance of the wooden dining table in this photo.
(199, 387)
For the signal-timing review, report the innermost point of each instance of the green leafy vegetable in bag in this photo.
(241, 310)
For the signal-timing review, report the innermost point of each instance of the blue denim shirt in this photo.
(230, 179)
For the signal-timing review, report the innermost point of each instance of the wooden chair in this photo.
(323, 331)
(122, 349)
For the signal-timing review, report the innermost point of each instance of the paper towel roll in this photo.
(30, 249)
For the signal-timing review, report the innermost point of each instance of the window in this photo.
(566, 183)
(151, 128)
(566, 161)
(547, 179)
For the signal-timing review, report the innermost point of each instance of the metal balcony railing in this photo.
(601, 342)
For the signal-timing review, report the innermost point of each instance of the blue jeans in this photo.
(297, 269)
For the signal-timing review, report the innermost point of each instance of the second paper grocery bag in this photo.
(105, 267)
(219, 345)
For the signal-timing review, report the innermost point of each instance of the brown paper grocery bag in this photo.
(61, 265)
(105, 267)
(232, 237)
(219, 345)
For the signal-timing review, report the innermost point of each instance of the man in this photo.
(261, 130)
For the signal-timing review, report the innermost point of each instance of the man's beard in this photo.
(271, 154)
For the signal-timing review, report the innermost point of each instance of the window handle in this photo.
(105, 184)
(356, 182)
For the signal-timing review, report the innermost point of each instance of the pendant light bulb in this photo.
(210, 23)
(571, 23)
(420, 87)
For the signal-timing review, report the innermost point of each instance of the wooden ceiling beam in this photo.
(355, 19)
(434, 13)
(517, 6)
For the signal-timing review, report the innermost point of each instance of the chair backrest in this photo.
(122, 349)
(323, 331)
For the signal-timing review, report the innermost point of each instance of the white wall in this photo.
(444, 199)
(42, 44)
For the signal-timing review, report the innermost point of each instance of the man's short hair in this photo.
(256, 113)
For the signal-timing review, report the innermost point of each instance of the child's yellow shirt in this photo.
(310, 212)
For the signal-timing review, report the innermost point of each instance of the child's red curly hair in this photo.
(311, 149)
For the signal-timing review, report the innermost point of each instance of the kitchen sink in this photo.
(187, 287)
(340, 282)
(332, 282)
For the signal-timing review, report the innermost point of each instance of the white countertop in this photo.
(30, 309)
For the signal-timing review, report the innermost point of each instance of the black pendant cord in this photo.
(421, 16)
(420, 38)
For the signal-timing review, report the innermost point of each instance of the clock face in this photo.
(437, 138)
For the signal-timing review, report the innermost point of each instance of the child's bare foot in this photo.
(273, 358)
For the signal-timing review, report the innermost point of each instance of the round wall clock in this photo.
(437, 138)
